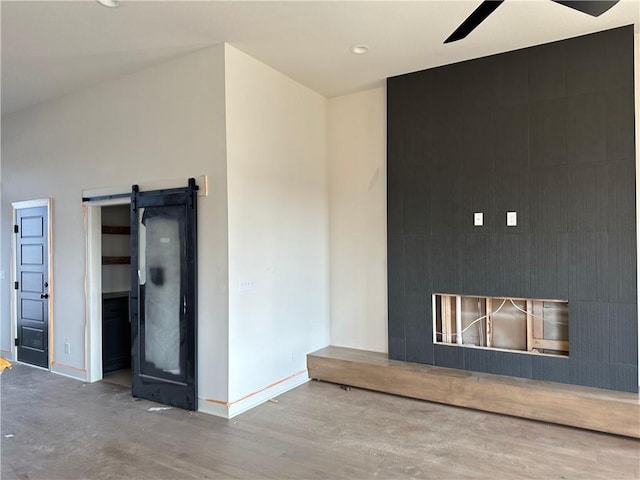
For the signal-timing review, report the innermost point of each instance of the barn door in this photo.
(163, 295)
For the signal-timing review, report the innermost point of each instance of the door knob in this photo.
(44, 295)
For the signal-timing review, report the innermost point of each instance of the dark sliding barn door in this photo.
(163, 295)
(31, 232)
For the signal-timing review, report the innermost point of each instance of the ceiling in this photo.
(52, 48)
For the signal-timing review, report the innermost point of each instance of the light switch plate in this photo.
(512, 219)
(478, 219)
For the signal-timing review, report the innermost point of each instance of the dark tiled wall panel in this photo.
(546, 131)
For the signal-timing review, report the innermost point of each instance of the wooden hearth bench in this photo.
(583, 407)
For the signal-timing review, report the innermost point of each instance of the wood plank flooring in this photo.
(55, 427)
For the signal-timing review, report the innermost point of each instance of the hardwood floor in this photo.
(56, 427)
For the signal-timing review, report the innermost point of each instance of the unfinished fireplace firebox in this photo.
(517, 324)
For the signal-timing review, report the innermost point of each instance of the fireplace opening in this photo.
(537, 326)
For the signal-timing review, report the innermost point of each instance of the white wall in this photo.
(162, 122)
(278, 228)
(250, 128)
(358, 186)
(5, 327)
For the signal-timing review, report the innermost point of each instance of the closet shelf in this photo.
(116, 260)
(116, 230)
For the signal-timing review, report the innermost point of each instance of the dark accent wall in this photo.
(549, 132)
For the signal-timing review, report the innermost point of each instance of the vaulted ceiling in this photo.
(52, 48)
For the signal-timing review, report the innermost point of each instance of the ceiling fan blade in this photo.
(595, 8)
(476, 18)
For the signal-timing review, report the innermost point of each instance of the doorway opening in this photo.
(108, 285)
(116, 291)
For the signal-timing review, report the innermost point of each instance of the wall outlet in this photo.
(512, 219)
(245, 285)
(67, 348)
(478, 219)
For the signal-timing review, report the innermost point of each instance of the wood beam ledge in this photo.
(596, 409)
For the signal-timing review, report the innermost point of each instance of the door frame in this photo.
(93, 284)
(15, 206)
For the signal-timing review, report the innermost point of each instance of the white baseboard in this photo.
(68, 372)
(217, 409)
(230, 410)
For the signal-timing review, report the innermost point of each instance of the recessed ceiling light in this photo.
(359, 49)
(109, 3)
